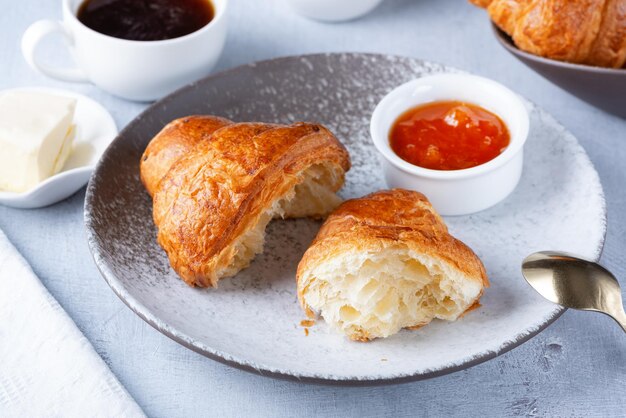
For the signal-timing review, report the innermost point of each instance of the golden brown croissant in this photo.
(589, 32)
(212, 206)
(385, 262)
(174, 141)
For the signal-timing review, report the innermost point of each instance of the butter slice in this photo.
(36, 135)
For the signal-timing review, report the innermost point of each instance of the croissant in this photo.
(589, 32)
(385, 262)
(177, 139)
(215, 188)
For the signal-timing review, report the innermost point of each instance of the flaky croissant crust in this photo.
(589, 32)
(177, 139)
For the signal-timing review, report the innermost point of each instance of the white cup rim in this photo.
(220, 12)
(380, 131)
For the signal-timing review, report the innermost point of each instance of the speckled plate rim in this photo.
(225, 358)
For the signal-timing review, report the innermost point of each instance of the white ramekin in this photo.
(455, 192)
(333, 10)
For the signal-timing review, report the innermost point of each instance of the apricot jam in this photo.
(448, 135)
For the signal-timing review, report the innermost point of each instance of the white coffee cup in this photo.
(135, 70)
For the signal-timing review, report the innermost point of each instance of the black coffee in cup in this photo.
(146, 20)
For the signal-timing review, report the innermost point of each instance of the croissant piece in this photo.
(174, 141)
(385, 262)
(589, 32)
(212, 206)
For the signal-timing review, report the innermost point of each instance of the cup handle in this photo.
(31, 38)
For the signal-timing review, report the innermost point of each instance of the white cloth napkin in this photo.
(47, 366)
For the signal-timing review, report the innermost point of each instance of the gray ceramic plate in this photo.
(252, 320)
(604, 88)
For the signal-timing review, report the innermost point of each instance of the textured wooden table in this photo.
(577, 367)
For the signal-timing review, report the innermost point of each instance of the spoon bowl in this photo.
(574, 282)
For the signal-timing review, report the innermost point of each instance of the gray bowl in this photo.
(604, 88)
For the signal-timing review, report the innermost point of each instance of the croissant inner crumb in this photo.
(315, 195)
(312, 196)
(375, 295)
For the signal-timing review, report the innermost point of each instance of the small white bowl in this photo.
(455, 192)
(95, 129)
(333, 10)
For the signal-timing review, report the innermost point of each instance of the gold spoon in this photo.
(575, 283)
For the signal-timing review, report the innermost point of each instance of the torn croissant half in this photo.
(217, 184)
(386, 262)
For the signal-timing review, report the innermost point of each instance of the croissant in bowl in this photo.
(217, 184)
(591, 32)
(385, 262)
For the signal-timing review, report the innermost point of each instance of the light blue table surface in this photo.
(577, 367)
